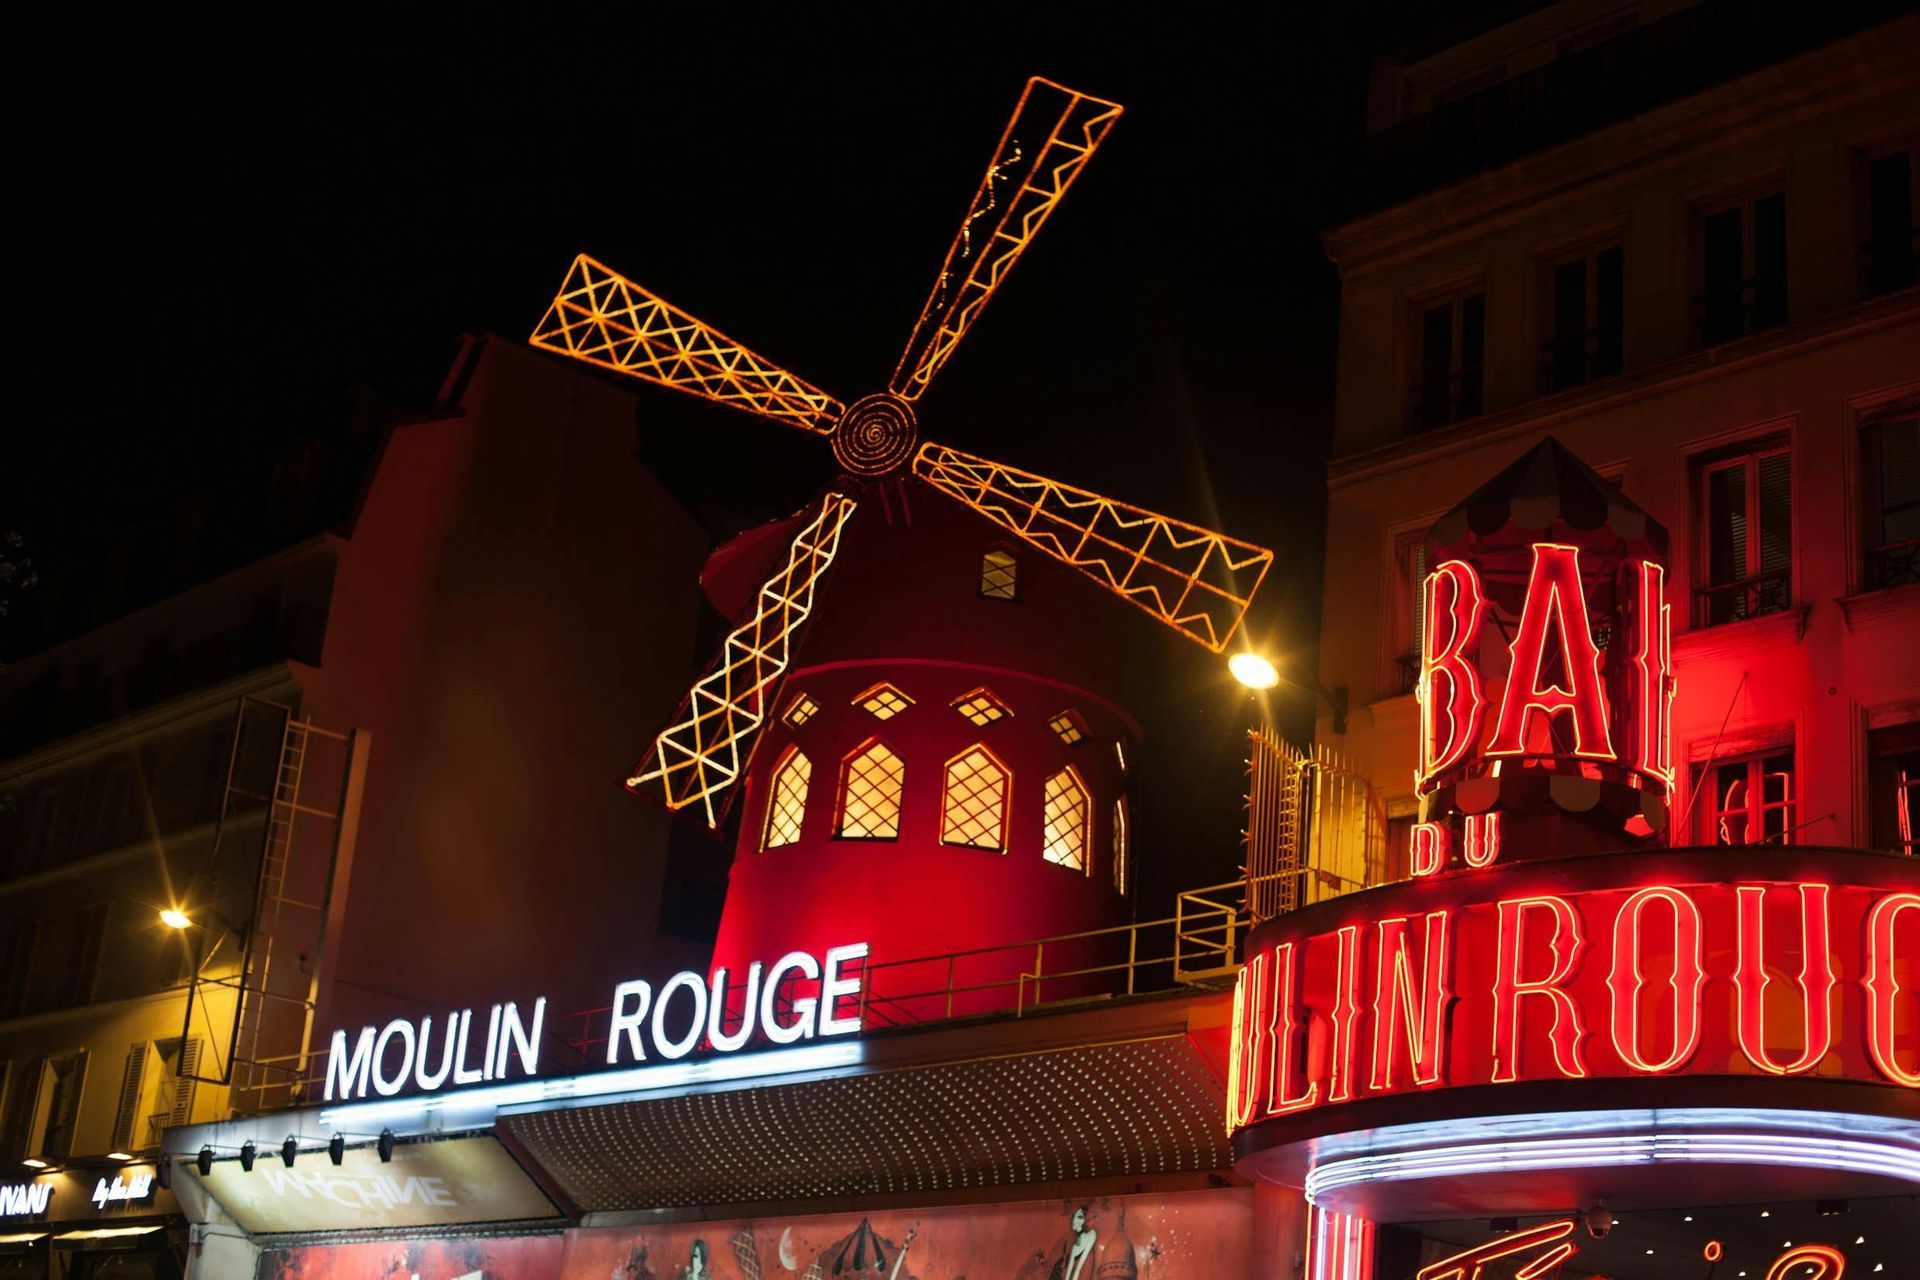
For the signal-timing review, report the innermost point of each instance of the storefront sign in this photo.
(727, 1013)
(1622, 966)
(24, 1199)
(460, 1180)
(123, 1188)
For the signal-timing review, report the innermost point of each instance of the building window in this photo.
(1069, 727)
(870, 786)
(883, 701)
(17, 944)
(1063, 835)
(1120, 861)
(1745, 534)
(1448, 342)
(1409, 609)
(1888, 231)
(973, 804)
(1893, 788)
(84, 946)
(981, 707)
(57, 1113)
(800, 710)
(1582, 303)
(999, 575)
(1740, 272)
(1747, 801)
(787, 800)
(1890, 485)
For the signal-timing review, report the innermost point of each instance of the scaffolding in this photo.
(1316, 828)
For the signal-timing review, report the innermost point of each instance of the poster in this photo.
(506, 1258)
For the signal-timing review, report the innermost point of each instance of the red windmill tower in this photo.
(947, 770)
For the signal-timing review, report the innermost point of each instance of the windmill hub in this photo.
(875, 436)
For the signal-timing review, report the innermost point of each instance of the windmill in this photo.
(1184, 575)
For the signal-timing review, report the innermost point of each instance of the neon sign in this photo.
(1687, 976)
(22, 1199)
(403, 1056)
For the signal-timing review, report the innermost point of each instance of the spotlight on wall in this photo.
(336, 1149)
(385, 1146)
(34, 1162)
(288, 1150)
(204, 1161)
(118, 1155)
(247, 1153)
(175, 918)
(163, 1172)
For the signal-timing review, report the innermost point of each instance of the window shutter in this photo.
(183, 1082)
(17, 1136)
(133, 1090)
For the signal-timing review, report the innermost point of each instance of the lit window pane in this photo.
(974, 804)
(883, 701)
(870, 794)
(999, 576)
(800, 710)
(1071, 729)
(1063, 837)
(787, 801)
(981, 707)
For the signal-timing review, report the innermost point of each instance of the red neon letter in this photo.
(1398, 1019)
(1828, 1263)
(1550, 1238)
(1450, 698)
(1653, 675)
(1509, 987)
(1554, 601)
(1816, 979)
(1427, 846)
(1482, 843)
(1883, 988)
(1242, 1064)
(1625, 981)
(1281, 1030)
(1346, 1013)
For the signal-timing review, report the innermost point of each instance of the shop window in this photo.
(85, 943)
(1740, 267)
(999, 575)
(17, 950)
(1890, 499)
(787, 800)
(156, 1091)
(1070, 728)
(871, 782)
(1745, 520)
(1889, 192)
(981, 707)
(1120, 852)
(1893, 788)
(1447, 341)
(1750, 800)
(973, 801)
(1063, 836)
(883, 701)
(800, 710)
(1581, 297)
(1409, 609)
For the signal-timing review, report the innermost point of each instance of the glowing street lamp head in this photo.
(175, 918)
(1253, 671)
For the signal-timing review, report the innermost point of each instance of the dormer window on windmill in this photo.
(800, 710)
(882, 701)
(999, 575)
(981, 707)
(1069, 727)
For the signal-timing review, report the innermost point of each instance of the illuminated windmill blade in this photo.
(706, 747)
(1182, 574)
(1053, 131)
(603, 318)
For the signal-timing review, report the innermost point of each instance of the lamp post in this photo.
(1256, 672)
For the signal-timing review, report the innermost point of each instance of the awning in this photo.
(71, 1238)
(23, 1237)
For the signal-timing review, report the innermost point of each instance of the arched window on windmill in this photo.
(871, 782)
(999, 574)
(787, 800)
(1064, 835)
(973, 801)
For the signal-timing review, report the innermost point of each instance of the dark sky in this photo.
(231, 227)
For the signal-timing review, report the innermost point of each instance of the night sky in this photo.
(239, 234)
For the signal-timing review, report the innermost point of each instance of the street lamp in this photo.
(175, 918)
(1256, 672)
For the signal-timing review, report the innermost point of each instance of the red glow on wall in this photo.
(1409, 1017)
(1511, 987)
(1555, 607)
(1814, 987)
(1451, 703)
(1549, 1238)
(1627, 980)
(1883, 986)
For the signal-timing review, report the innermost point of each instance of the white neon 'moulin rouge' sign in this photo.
(727, 1012)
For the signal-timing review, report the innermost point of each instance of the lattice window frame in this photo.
(800, 709)
(990, 711)
(1066, 831)
(999, 575)
(786, 815)
(1004, 803)
(1070, 727)
(884, 695)
(844, 808)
